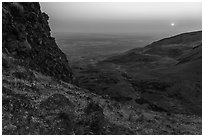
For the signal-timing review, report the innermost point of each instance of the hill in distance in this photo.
(165, 74)
(146, 94)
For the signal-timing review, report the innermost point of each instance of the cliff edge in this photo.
(39, 99)
(26, 35)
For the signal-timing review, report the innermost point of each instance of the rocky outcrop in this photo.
(26, 35)
(38, 99)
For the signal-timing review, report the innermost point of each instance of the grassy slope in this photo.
(37, 104)
(149, 68)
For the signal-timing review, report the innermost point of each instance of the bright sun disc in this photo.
(172, 24)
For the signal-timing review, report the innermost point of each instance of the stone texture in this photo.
(26, 35)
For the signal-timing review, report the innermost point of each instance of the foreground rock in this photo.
(26, 34)
(38, 99)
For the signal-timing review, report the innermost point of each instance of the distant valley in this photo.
(99, 84)
(90, 48)
(164, 75)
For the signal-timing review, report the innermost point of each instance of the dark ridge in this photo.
(179, 39)
(26, 36)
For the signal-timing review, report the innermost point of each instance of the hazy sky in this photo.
(138, 18)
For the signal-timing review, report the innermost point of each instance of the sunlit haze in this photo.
(160, 19)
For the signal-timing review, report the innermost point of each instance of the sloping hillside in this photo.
(168, 72)
(165, 75)
(41, 105)
(172, 47)
(38, 97)
(184, 38)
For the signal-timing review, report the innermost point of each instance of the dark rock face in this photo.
(56, 101)
(36, 102)
(26, 35)
(92, 122)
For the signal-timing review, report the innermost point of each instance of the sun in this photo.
(172, 24)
